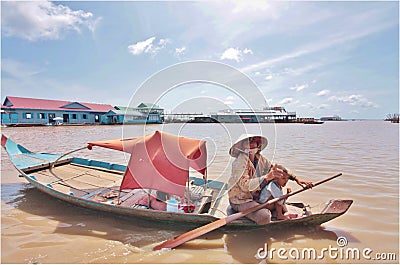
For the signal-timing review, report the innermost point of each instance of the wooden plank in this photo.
(67, 190)
(80, 185)
(127, 195)
(116, 172)
(69, 168)
(92, 193)
(65, 173)
(96, 181)
(134, 198)
(104, 175)
(207, 197)
(44, 178)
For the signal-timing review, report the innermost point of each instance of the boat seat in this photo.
(205, 203)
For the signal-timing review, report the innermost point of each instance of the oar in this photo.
(177, 241)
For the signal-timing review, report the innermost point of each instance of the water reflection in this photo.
(243, 245)
(73, 220)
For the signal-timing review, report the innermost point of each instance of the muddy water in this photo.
(38, 229)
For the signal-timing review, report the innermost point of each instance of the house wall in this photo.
(42, 117)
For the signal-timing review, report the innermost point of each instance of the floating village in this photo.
(21, 111)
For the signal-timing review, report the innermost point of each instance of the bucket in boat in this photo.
(172, 205)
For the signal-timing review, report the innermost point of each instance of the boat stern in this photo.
(337, 206)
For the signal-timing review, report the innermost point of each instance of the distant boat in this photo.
(331, 118)
(313, 122)
(111, 188)
(57, 121)
(265, 115)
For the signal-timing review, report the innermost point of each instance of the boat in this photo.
(119, 189)
(314, 121)
(266, 115)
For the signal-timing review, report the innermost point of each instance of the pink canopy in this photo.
(159, 161)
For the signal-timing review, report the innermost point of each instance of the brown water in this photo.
(38, 229)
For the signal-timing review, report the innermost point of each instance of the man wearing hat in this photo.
(250, 171)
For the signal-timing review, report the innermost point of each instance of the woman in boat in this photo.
(250, 172)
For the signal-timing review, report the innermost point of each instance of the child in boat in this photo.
(274, 190)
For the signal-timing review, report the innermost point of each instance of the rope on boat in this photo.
(63, 181)
(316, 205)
(53, 164)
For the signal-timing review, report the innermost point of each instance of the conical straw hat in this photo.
(237, 146)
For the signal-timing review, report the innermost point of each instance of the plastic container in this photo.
(172, 205)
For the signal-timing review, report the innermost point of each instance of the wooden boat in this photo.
(97, 185)
(314, 121)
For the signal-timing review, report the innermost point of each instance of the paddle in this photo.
(177, 241)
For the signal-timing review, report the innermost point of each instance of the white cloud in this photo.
(247, 51)
(40, 20)
(180, 51)
(313, 107)
(148, 46)
(251, 6)
(323, 92)
(141, 46)
(232, 54)
(235, 54)
(355, 100)
(268, 77)
(285, 101)
(19, 70)
(229, 100)
(299, 87)
(163, 42)
(323, 106)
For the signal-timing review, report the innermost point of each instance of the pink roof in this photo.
(46, 104)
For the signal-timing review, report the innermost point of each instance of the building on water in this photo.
(144, 113)
(19, 111)
(266, 115)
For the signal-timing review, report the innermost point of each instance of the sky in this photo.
(314, 58)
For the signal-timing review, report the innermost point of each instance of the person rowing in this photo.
(251, 172)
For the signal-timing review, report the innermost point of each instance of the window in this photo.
(28, 115)
(96, 118)
(42, 115)
(74, 116)
(84, 116)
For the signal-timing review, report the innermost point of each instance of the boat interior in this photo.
(97, 183)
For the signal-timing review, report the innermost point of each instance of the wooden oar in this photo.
(177, 241)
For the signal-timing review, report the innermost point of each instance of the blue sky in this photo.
(315, 58)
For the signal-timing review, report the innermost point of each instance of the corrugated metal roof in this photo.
(47, 104)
